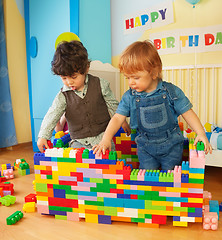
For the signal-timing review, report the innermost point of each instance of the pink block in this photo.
(177, 174)
(42, 209)
(47, 163)
(197, 160)
(78, 188)
(170, 194)
(210, 221)
(109, 195)
(207, 194)
(71, 216)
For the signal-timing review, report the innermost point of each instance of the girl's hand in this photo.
(204, 139)
(42, 142)
(101, 147)
(126, 128)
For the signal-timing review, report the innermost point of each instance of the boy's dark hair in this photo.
(69, 58)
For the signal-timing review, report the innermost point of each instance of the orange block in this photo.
(169, 208)
(198, 219)
(97, 212)
(46, 194)
(191, 185)
(159, 189)
(184, 214)
(48, 168)
(148, 225)
(120, 219)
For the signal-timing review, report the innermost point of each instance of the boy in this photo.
(86, 100)
(153, 107)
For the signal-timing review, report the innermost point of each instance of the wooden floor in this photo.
(34, 226)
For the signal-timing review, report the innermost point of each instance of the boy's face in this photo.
(142, 81)
(76, 81)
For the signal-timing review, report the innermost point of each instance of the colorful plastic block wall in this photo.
(74, 183)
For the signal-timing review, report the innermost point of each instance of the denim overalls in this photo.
(160, 141)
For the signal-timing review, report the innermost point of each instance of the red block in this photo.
(159, 219)
(31, 198)
(78, 175)
(194, 205)
(63, 202)
(70, 183)
(113, 190)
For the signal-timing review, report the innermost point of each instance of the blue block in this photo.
(52, 212)
(84, 193)
(104, 219)
(126, 196)
(176, 218)
(86, 179)
(59, 193)
(185, 166)
(185, 178)
(176, 199)
(214, 206)
(113, 202)
(197, 170)
(134, 192)
(91, 155)
(134, 203)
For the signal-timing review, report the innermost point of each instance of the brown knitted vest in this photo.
(87, 117)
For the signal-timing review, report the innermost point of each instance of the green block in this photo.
(163, 208)
(112, 155)
(65, 187)
(194, 180)
(7, 200)
(96, 180)
(110, 211)
(49, 176)
(14, 218)
(22, 172)
(72, 192)
(141, 220)
(41, 187)
(61, 217)
(94, 203)
(100, 199)
(62, 209)
(148, 216)
(85, 154)
(200, 146)
(71, 160)
(192, 210)
(69, 196)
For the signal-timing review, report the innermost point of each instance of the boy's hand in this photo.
(126, 128)
(101, 147)
(204, 139)
(42, 142)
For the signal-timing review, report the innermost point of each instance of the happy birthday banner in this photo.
(190, 40)
(156, 16)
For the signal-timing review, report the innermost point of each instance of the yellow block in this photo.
(42, 198)
(122, 186)
(195, 200)
(119, 209)
(39, 167)
(196, 175)
(93, 218)
(145, 188)
(158, 212)
(162, 203)
(180, 224)
(112, 181)
(171, 189)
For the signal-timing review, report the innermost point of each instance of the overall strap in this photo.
(169, 87)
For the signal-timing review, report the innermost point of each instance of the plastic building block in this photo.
(29, 207)
(220, 207)
(14, 218)
(31, 198)
(7, 200)
(8, 173)
(210, 221)
(74, 183)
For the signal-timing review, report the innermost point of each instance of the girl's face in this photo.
(142, 81)
(76, 81)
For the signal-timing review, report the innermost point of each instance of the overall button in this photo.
(138, 100)
(164, 96)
